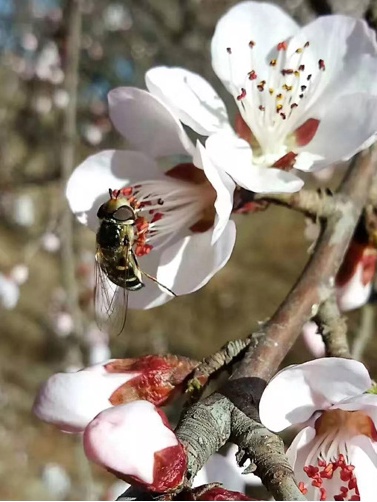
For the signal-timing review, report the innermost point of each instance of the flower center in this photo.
(273, 100)
(328, 467)
(180, 201)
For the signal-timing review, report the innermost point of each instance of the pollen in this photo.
(242, 95)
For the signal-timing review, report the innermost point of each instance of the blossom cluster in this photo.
(168, 203)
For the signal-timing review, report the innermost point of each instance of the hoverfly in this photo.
(117, 268)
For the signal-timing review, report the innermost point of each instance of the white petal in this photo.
(126, 437)
(151, 295)
(71, 400)
(299, 449)
(234, 156)
(191, 98)
(348, 48)
(190, 263)
(313, 339)
(88, 186)
(354, 294)
(349, 122)
(147, 123)
(308, 387)
(364, 457)
(262, 23)
(224, 186)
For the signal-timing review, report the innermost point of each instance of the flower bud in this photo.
(72, 400)
(135, 442)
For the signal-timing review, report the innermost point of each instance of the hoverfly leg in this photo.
(159, 283)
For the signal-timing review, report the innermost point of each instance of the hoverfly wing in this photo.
(110, 303)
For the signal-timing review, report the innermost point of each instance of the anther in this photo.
(242, 95)
(229, 50)
(299, 50)
(282, 46)
(301, 67)
(273, 62)
(309, 77)
(321, 65)
(261, 108)
(251, 44)
(306, 44)
(252, 75)
(303, 87)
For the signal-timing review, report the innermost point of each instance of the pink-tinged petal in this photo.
(348, 126)
(299, 450)
(71, 400)
(190, 263)
(88, 186)
(190, 96)
(263, 24)
(147, 123)
(313, 339)
(354, 294)
(363, 456)
(224, 186)
(151, 295)
(308, 387)
(135, 442)
(234, 156)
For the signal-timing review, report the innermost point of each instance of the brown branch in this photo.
(333, 328)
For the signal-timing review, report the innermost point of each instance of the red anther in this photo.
(287, 71)
(261, 108)
(301, 67)
(283, 115)
(251, 44)
(157, 217)
(242, 95)
(317, 483)
(321, 65)
(344, 489)
(323, 494)
(252, 75)
(294, 105)
(302, 488)
(339, 497)
(355, 497)
(328, 471)
(321, 463)
(352, 484)
(282, 46)
(345, 474)
(311, 471)
(229, 50)
(126, 191)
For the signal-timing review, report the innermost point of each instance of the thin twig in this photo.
(333, 328)
(68, 160)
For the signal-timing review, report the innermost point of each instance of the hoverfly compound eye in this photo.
(124, 213)
(101, 213)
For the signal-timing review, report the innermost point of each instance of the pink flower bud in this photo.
(355, 276)
(135, 442)
(72, 400)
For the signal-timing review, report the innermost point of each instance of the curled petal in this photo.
(191, 97)
(147, 123)
(312, 390)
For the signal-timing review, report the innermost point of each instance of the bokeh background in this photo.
(46, 259)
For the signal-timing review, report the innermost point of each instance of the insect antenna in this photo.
(157, 282)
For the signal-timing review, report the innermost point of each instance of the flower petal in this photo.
(364, 457)
(308, 387)
(88, 186)
(147, 123)
(151, 295)
(190, 263)
(348, 48)
(234, 156)
(348, 126)
(224, 186)
(264, 24)
(191, 98)
(71, 400)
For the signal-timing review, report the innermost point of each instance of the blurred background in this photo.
(47, 259)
